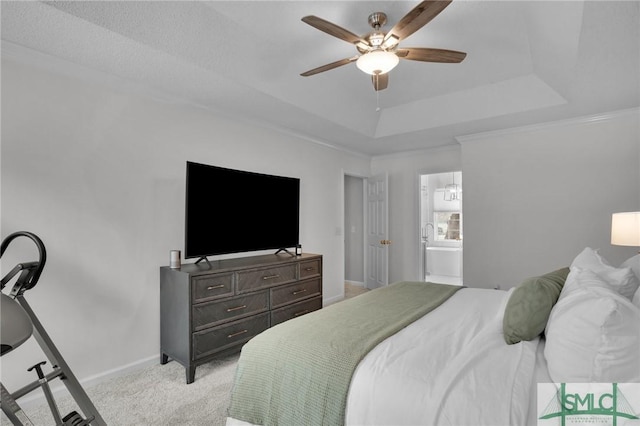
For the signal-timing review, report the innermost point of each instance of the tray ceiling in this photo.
(527, 62)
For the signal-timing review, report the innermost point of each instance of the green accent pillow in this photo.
(529, 306)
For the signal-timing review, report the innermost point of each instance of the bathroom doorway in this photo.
(441, 227)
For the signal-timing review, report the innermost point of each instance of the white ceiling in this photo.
(527, 62)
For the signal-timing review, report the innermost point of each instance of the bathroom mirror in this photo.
(447, 226)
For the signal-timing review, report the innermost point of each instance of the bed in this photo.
(453, 355)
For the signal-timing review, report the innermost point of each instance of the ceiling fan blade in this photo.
(426, 54)
(380, 81)
(333, 29)
(418, 17)
(330, 66)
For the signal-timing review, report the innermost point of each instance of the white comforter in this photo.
(451, 367)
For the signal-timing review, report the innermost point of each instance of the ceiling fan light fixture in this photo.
(377, 50)
(390, 42)
(377, 62)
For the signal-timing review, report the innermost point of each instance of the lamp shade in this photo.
(625, 229)
(377, 62)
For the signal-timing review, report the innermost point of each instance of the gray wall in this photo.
(98, 174)
(535, 197)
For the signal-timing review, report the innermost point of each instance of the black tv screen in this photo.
(233, 211)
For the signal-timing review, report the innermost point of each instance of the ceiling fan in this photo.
(379, 51)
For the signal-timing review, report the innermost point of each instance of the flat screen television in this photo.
(233, 211)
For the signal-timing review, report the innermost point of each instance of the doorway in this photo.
(441, 227)
(354, 228)
(366, 231)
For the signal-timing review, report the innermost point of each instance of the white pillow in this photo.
(593, 335)
(623, 280)
(503, 304)
(634, 264)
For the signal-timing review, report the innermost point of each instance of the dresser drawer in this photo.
(228, 335)
(208, 287)
(310, 268)
(294, 292)
(256, 279)
(213, 313)
(295, 310)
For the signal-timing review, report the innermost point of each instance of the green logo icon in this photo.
(588, 404)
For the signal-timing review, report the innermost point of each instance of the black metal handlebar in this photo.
(30, 270)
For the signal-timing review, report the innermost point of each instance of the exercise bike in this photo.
(18, 322)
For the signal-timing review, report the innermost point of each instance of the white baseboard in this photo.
(37, 398)
(332, 300)
(120, 371)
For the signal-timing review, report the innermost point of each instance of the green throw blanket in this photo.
(299, 372)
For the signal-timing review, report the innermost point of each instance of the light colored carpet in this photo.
(156, 395)
(351, 290)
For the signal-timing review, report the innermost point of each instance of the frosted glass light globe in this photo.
(377, 62)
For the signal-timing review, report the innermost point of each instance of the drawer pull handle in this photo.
(213, 287)
(270, 277)
(236, 334)
(236, 308)
(306, 311)
(299, 291)
(309, 269)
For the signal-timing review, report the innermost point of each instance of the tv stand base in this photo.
(286, 251)
(203, 258)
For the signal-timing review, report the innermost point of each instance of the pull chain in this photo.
(377, 93)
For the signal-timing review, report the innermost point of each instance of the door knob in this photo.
(385, 242)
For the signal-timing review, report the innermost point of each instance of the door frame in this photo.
(433, 171)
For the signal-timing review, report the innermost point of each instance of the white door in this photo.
(377, 238)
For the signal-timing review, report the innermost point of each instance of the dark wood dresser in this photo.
(209, 310)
